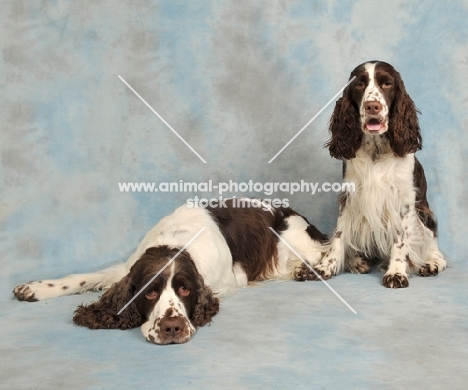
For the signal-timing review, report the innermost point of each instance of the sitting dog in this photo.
(168, 288)
(375, 132)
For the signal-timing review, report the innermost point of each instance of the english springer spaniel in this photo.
(375, 131)
(236, 247)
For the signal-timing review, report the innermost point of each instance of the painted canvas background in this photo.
(236, 80)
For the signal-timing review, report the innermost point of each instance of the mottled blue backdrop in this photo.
(236, 80)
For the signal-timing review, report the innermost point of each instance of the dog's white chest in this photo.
(383, 187)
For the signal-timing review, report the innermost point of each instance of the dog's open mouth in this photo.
(373, 124)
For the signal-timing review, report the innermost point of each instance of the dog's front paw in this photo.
(358, 265)
(428, 269)
(395, 280)
(433, 266)
(25, 292)
(301, 273)
(306, 272)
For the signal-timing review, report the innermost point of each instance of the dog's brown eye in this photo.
(360, 85)
(184, 291)
(387, 84)
(150, 295)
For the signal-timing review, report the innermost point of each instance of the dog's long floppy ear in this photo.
(207, 305)
(103, 313)
(404, 133)
(345, 128)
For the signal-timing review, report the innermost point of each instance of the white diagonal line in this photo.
(315, 116)
(315, 272)
(162, 119)
(161, 270)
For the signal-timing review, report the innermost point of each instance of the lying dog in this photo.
(235, 246)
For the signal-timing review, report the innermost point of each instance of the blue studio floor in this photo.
(275, 335)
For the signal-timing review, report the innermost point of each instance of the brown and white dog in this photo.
(375, 131)
(236, 247)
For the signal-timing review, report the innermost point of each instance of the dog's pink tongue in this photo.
(373, 126)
